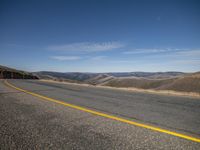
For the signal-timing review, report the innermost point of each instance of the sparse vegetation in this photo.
(9, 73)
(175, 81)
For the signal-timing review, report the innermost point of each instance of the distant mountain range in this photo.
(86, 76)
(176, 81)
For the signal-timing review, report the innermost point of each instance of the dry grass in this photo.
(160, 92)
(185, 84)
(189, 83)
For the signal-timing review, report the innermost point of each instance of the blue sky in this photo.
(100, 35)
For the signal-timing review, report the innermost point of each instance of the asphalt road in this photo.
(30, 122)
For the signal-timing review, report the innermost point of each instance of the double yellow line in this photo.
(106, 115)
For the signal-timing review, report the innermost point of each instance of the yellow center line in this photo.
(107, 116)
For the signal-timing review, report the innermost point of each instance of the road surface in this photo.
(28, 121)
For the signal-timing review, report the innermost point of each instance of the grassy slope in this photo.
(10, 73)
(157, 81)
(139, 83)
(185, 84)
(188, 83)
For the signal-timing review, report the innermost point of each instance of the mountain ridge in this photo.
(10, 73)
(176, 81)
(171, 80)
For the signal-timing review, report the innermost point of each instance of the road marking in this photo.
(106, 115)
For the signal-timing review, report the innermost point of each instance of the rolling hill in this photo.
(176, 81)
(10, 73)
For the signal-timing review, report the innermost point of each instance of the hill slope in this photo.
(189, 83)
(186, 83)
(9, 73)
(176, 81)
(74, 77)
(100, 79)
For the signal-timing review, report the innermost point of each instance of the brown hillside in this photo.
(187, 83)
(138, 83)
(9, 73)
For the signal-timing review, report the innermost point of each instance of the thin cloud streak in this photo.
(147, 51)
(122, 61)
(98, 58)
(187, 62)
(65, 58)
(190, 53)
(87, 46)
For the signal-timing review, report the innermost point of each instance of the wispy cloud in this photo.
(87, 46)
(64, 58)
(98, 58)
(195, 52)
(122, 61)
(146, 51)
(187, 62)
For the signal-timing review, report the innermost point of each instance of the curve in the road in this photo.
(106, 115)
